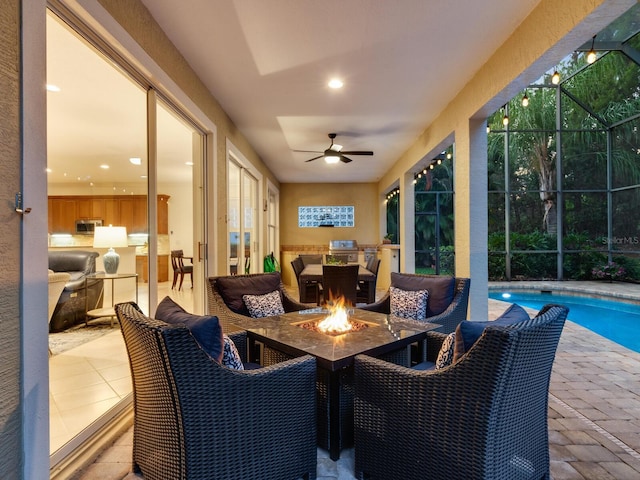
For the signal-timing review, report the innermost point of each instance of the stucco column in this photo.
(407, 225)
(470, 207)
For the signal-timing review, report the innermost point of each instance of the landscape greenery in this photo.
(563, 176)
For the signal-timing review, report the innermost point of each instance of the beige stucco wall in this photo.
(10, 128)
(363, 196)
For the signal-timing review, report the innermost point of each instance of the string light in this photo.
(505, 118)
(525, 100)
(555, 78)
(591, 56)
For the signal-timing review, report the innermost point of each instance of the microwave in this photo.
(87, 226)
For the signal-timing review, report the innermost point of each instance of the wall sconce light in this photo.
(555, 78)
(591, 56)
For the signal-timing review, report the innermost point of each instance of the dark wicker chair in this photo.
(254, 284)
(309, 291)
(340, 280)
(196, 419)
(450, 317)
(484, 417)
(363, 287)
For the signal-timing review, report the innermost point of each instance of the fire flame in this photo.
(338, 319)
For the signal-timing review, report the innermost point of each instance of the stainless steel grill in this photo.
(344, 247)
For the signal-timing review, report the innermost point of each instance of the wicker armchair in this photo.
(253, 284)
(196, 419)
(451, 315)
(484, 417)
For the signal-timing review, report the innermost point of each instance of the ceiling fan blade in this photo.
(358, 152)
(315, 158)
(307, 151)
(345, 159)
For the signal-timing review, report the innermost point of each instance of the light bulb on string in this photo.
(555, 78)
(591, 56)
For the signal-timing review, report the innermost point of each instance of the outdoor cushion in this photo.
(408, 303)
(232, 289)
(468, 332)
(205, 329)
(231, 357)
(441, 289)
(445, 355)
(266, 305)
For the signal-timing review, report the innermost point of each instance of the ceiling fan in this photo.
(334, 153)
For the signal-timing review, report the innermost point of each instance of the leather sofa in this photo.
(77, 296)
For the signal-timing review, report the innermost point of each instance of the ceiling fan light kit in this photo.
(334, 153)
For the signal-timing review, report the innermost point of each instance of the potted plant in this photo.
(387, 238)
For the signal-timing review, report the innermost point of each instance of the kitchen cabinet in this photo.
(142, 268)
(129, 211)
(62, 215)
(133, 213)
(163, 214)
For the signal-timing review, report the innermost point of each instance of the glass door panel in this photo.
(242, 220)
(97, 176)
(250, 220)
(179, 150)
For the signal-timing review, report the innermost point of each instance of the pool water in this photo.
(616, 320)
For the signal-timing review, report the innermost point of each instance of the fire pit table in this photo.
(295, 334)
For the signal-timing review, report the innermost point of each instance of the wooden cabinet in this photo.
(129, 211)
(106, 209)
(133, 213)
(163, 214)
(62, 215)
(142, 268)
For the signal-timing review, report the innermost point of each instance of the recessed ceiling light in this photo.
(52, 88)
(104, 166)
(136, 160)
(48, 170)
(189, 163)
(143, 176)
(335, 83)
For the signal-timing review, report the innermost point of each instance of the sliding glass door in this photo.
(119, 154)
(242, 226)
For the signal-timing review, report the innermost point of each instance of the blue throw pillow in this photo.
(205, 329)
(468, 332)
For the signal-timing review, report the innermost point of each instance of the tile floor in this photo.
(594, 411)
(86, 381)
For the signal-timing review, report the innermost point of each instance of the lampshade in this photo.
(110, 237)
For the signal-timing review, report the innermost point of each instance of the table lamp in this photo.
(110, 237)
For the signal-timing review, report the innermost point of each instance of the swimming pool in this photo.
(616, 320)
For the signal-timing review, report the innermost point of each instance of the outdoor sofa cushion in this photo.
(266, 305)
(233, 288)
(468, 332)
(408, 303)
(205, 329)
(441, 290)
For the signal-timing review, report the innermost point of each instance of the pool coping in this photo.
(627, 292)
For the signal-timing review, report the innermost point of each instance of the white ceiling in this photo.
(267, 62)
